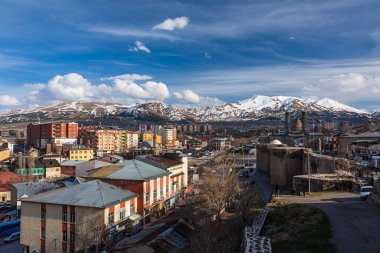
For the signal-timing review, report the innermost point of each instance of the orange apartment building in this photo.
(158, 185)
(109, 140)
(36, 133)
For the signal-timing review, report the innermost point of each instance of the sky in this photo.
(196, 53)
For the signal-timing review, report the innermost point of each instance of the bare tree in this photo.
(213, 237)
(91, 230)
(245, 199)
(220, 184)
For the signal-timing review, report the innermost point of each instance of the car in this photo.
(12, 237)
(365, 191)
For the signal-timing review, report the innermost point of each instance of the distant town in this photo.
(176, 187)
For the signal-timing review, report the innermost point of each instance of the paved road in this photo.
(262, 183)
(12, 247)
(355, 223)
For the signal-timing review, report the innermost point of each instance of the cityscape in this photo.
(189, 126)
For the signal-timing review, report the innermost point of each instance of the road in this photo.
(12, 247)
(355, 223)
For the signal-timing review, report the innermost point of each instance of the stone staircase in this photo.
(252, 242)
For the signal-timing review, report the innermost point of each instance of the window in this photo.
(64, 216)
(43, 212)
(64, 236)
(134, 182)
(72, 217)
(172, 186)
(147, 197)
(132, 209)
(154, 194)
(72, 237)
(111, 218)
(43, 233)
(161, 191)
(167, 188)
(122, 213)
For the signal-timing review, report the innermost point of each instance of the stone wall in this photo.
(282, 163)
(263, 156)
(285, 163)
(319, 164)
(320, 183)
(374, 197)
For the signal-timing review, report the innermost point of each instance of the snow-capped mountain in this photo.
(250, 109)
(261, 106)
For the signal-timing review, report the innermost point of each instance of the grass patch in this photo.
(298, 228)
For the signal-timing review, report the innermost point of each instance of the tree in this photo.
(91, 230)
(244, 199)
(220, 184)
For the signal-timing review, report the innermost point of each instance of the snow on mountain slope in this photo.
(248, 109)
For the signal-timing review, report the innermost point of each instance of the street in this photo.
(355, 223)
(11, 247)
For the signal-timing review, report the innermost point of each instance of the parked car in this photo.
(365, 191)
(12, 237)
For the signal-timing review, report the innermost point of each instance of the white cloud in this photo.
(171, 24)
(128, 77)
(207, 56)
(347, 85)
(122, 89)
(35, 86)
(139, 46)
(6, 100)
(189, 96)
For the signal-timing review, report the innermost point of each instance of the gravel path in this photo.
(355, 223)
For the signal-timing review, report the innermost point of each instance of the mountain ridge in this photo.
(249, 109)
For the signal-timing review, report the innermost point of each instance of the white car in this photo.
(12, 237)
(365, 191)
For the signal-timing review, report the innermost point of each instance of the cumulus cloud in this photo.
(189, 96)
(171, 24)
(123, 88)
(6, 100)
(347, 85)
(139, 46)
(128, 77)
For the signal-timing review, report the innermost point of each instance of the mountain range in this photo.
(254, 108)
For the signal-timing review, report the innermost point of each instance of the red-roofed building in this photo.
(6, 178)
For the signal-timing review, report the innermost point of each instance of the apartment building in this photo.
(150, 182)
(159, 181)
(171, 137)
(106, 140)
(152, 137)
(39, 134)
(81, 154)
(75, 218)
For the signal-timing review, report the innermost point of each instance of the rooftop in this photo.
(363, 135)
(130, 170)
(93, 193)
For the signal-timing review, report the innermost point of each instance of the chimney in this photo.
(287, 122)
(304, 121)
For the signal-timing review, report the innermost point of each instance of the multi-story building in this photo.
(150, 182)
(76, 218)
(39, 134)
(81, 154)
(159, 181)
(152, 137)
(105, 140)
(171, 137)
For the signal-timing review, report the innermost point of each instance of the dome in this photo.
(276, 142)
(7, 177)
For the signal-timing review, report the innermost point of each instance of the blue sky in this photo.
(190, 52)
